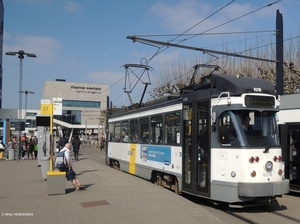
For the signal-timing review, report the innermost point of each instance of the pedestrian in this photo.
(35, 147)
(24, 143)
(76, 146)
(23, 149)
(102, 141)
(30, 147)
(70, 174)
(12, 144)
(62, 142)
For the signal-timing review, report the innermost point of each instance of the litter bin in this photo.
(45, 164)
(11, 154)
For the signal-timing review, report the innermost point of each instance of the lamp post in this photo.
(20, 54)
(26, 93)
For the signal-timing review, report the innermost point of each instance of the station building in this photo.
(83, 110)
(83, 106)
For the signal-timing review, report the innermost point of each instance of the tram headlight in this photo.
(233, 174)
(253, 173)
(269, 165)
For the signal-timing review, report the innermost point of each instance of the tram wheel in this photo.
(176, 186)
(158, 179)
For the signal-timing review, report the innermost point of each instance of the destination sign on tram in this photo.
(259, 101)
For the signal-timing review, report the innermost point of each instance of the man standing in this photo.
(70, 174)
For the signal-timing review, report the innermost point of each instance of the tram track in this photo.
(272, 213)
(258, 214)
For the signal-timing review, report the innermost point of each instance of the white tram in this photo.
(196, 143)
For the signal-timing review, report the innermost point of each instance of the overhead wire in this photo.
(239, 17)
(220, 33)
(161, 49)
(158, 51)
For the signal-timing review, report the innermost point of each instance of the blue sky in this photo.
(85, 40)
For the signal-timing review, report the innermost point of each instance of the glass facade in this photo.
(69, 116)
(77, 103)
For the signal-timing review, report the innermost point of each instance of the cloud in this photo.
(178, 17)
(106, 77)
(186, 14)
(71, 6)
(46, 48)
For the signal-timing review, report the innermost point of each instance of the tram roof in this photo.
(165, 100)
(212, 84)
(234, 84)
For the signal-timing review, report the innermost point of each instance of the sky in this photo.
(85, 40)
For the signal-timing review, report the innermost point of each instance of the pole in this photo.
(26, 93)
(25, 105)
(51, 138)
(20, 106)
(85, 131)
(20, 54)
(279, 54)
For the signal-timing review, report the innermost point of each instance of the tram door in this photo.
(196, 148)
(293, 154)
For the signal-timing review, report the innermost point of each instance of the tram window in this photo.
(133, 131)
(233, 133)
(117, 131)
(172, 128)
(227, 132)
(111, 132)
(124, 131)
(156, 129)
(144, 129)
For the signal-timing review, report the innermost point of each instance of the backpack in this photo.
(2, 145)
(60, 160)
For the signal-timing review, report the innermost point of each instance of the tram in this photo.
(195, 142)
(289, 130)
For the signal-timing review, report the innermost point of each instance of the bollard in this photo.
(11, 154)
(45, 164)
(56, 181)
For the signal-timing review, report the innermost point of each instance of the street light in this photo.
(26, 93)
(20, 54)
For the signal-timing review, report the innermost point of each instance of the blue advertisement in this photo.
(159, 154)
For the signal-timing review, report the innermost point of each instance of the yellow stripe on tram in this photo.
(132, 155)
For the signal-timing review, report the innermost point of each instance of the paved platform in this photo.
(110, 196)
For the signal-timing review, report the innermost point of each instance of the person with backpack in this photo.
(64, 163)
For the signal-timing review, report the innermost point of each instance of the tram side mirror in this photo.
(213, 118)
(213, 121)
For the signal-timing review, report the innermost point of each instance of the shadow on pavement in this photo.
(82, 188)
